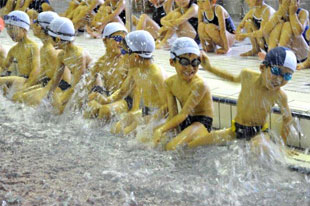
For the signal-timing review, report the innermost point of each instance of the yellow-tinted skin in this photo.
(26, 56)
(195, 99)
(259, 93)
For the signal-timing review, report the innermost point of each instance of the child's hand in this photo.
(240, 36)
(205, 62)
(293, 7)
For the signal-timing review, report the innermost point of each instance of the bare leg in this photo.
(250, 27)
(108, 110)
(274, 37)
(286, 35)
(196, 130)
(214, 33)
(148, 24)
(186, 30)
(205, 38)
(47, 7)
(33, 97)
(215, 137)
(9, 6)
(164, 41)
(17, 82)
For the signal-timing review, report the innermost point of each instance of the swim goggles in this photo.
(14, 18)
(116, 38)
(277, 72)
(129, 51)
(186, 62)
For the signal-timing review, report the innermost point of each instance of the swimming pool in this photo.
(66, 160)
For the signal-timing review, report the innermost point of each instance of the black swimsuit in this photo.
(247, 132)
(158, 14)
(206, 121)
(3, 3)
(305, 31)
(230, 26)
(122, 15)
(193, 21)
(37, 5)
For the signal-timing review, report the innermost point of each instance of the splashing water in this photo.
(48, 160)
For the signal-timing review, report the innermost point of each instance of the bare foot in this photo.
(252, 52)
(221, 51)
(208, 48)
(261, 55)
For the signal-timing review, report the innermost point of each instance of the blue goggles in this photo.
(277, 72)
(116, 38)
(14, 18)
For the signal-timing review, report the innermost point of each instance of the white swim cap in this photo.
(45, 18)
(63, 28)
(141, 42)
(18, 18)
(281, 56)
(112, 28)
(184, 45)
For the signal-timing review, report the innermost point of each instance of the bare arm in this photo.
(298, 22)
(190, 13)
(286, 115)
(276, 18)
(222, 25)
(168, 6)
(193, 100)
(2, 58)
(35, 65)
(58, 73)
(266, 17)
(244, 20)
(8, 61)
(125, 90)
(118, 11)
(205, 63)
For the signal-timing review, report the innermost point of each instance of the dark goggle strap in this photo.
(60, 33)
(14, 18)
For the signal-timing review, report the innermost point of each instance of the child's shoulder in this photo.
(249, 73)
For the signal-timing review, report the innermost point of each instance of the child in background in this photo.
(254, 22)
(215, 27)
(181, 21)
(115, 13)
(260, 91)
(152, 24)
(196, 115)
(288, 27)
(306, 63)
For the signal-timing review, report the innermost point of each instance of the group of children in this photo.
(126, 83)
(202, 20)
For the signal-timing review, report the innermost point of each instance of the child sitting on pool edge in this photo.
(25, 54)
(187, 87)
(259, 93)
